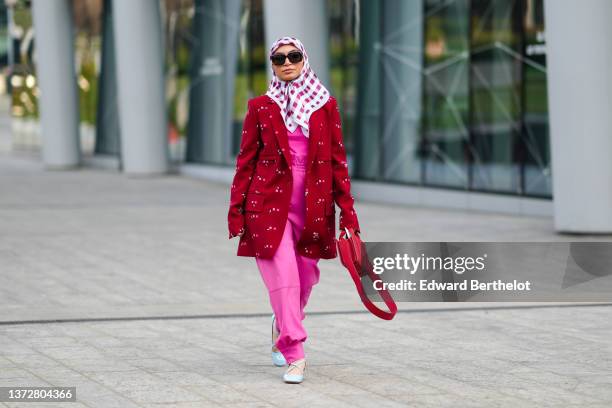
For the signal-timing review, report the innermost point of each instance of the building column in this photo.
(140, 84)
(108, 131)
(307, 22)
(59, 111)
(401, 99)
(579, 57)
(216, 25)
(367, 146)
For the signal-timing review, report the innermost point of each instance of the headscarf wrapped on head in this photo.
(300, 97)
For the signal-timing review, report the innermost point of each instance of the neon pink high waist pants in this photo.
(289, 276)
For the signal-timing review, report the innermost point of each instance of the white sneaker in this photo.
(295, 372)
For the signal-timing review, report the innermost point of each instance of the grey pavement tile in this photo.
(24, 380)
(108, 400)
(451, 385)
(191, 404)
(185, 378)
(212, 344)
(62, 376)
(125, 352)
(78, 330)
(37, 360)
(220, 393)
(158, 393)
(330, 386)
(164, 342)
(97, 364)
(272, 390)
(6, 363)
(442, 400)
(370, 400)
(72, 404)
(140, 386)
(226, 366)
(152, 364)
(188, 354)
(598, 386)
(124, 330)
(104, 341)
(54, 341)
(92, 244)
(388, 384)
(24, 331)
(15, 373)
(606, 405)
(562, 366)
(72, 353)
(548, 396)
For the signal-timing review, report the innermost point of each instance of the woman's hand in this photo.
(239, 234)
(344, 234)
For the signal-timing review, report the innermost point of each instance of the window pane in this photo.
(446, 93)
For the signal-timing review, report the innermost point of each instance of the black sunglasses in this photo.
(279, 59)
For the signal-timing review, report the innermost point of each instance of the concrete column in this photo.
(141, 90)
(59, 111)
(402, 62)
(108, 131)
(367, 150)
(216, 25)
(579, 57)
(307, 22)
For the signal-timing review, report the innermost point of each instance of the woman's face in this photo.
(287, 71)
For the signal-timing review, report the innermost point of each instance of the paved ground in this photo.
(128, 289)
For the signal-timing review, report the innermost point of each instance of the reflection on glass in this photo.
(343, 49)
(446, 142)
(23, 83)
(484, 122)
(537, 174)
(87, 21)
(251, 75)
(177, 18)
(496, 80)
(401, 62)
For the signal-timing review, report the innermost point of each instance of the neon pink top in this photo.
(298, 144)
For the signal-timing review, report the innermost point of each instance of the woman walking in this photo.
(290, 170)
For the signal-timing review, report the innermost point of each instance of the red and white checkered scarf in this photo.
(301, 97)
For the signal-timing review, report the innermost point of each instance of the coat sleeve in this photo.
(341, 186)
(245, 166)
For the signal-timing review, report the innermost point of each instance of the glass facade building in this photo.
(453, 95)
(448, 94)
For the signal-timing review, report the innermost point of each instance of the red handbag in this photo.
(354, 258)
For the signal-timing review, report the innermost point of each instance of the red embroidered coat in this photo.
(261, 189)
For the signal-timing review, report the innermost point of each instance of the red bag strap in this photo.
(355, 258)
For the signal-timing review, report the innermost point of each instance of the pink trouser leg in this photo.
(289, 278)
(308, 278)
